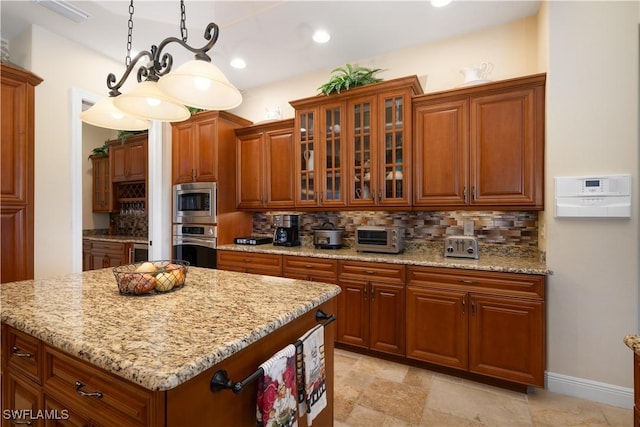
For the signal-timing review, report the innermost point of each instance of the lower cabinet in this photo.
(636, 389)
(96, 255)
(247, 262)
(22, 398)
(371, 306)
(310, 268)
(487, 323)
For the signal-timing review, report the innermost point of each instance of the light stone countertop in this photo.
(633, 342)
(115, 238)
(158, 341)
(493, 261)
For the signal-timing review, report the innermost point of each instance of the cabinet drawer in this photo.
(511, 284)
(24, 354)
(119, 403)
(255, 263)
(372, 271)
(309, 266)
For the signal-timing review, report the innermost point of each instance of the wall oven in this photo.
(195, 202)
(195, 244)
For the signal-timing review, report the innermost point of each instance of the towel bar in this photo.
(221, 380)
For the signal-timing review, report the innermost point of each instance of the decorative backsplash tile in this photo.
(129, 224)
(490, 227)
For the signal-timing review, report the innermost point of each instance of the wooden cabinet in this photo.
(102, 189)
(97, 254)
(353, 149)
(481, 147)
(128, 160)
(17, 174)
(265, 173)
(22, 398)
(371, 306)
(636, 389)
(197, 145)
(310, 268)
(247, 262)
(487, 323)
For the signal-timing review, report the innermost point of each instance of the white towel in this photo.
(276, 401)
(315, 396)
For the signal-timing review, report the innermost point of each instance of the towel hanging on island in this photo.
(276, 400)
(310, 364)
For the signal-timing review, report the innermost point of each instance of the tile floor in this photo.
(374, 392)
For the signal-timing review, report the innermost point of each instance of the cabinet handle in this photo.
(467, 282)
(366, 290)
(15, 351)
(464, 194)
(23, 422)
(308, 266)
(130, 255)
(473, 192)
(193, 174)
(247, 260)
(81, 392)
(373, 292)
(379, 196)
(464, 306)
(473, 307)
(369, 271)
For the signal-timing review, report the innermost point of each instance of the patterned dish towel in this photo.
(276, 403)
(310, 365)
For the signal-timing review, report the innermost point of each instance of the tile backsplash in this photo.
(491, 227)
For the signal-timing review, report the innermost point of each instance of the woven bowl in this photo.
(151, 277)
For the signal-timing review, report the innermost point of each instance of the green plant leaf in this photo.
(347, 77)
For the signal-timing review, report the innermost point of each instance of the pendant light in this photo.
(163, 95)
(105, 115)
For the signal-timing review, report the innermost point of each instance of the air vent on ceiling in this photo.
(64, 8)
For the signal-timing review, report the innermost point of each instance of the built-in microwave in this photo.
(380, 239)
(195, 202)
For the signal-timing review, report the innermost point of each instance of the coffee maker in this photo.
(287, 230)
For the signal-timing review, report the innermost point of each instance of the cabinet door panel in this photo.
(250, 171)
(332, 162)
(364, 164)
(437, 326)
(280, 169)
(506, 339)
(19, 394)
(306, 151)
(205, 150)
(504, 159)
(137, 161)
(17, 240)
(387, 322)
(182, 154)
(117, 162)
(441, 154)
(353, 313)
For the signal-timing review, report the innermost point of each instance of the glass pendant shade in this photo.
(105, 114)
(201, 84)
(148, 101)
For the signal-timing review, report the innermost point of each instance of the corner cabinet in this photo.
(265, 173)
(17, 172)
(353, 149)
(481, 147)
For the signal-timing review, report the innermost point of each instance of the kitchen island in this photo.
(633, 342)
(151, 358)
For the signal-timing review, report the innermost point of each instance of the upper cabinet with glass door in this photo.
(353, 148)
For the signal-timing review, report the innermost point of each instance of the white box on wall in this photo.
(597, 196)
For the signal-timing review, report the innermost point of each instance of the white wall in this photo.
(511, 48)
(592, 128)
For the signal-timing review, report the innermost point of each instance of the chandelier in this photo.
(162, 94)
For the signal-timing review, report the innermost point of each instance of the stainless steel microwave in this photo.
(380, 239)
(195, 202)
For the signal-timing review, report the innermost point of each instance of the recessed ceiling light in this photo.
(238, 63)
(440, 3)
(321, 36)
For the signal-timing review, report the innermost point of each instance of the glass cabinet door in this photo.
(364, 171)
(394, 149)
(333, 145)
(307, 141)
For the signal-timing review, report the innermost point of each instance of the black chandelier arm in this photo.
(210, 33)
(114, 88)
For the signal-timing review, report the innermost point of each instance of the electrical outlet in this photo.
(468, 228)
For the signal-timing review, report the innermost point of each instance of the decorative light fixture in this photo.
(161, 94)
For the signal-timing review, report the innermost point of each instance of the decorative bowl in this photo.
(144, 278)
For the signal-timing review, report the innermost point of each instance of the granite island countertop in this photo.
(158, 341)
(633, 342)
(494, 261)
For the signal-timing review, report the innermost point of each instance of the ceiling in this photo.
(273, 37)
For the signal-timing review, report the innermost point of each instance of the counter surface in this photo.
(633, 342)
(158, 341)
(115, 238)
(429, 258)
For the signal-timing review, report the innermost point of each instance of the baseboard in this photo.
(591, 390)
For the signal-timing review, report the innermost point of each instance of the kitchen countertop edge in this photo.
(494, 263)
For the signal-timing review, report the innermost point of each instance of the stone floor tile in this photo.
(381, 368)
(433, 418)
(402, 401)
(555, 409)
(365, 417)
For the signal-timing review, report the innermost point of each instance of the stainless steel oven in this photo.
(195, 244)
(195, 202)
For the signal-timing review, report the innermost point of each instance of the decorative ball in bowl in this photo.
(150, 277)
